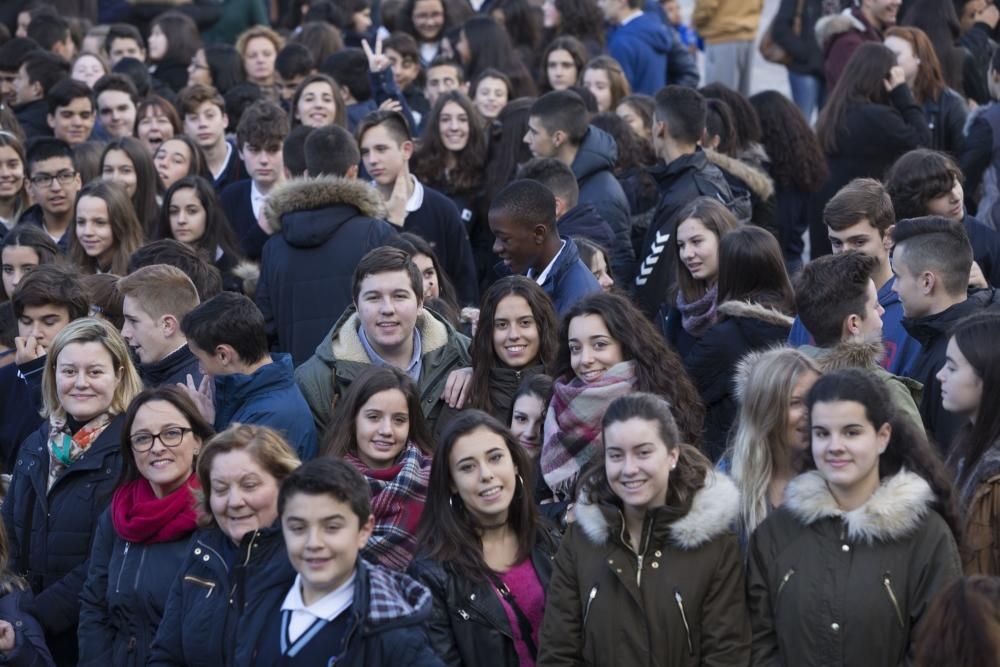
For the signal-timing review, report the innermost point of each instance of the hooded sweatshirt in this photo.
(641, 47)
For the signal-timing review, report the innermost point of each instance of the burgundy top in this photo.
(524, 586)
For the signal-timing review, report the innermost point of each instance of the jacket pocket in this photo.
(204, 583)
(781, 584)
(887, 584)
(687, 628)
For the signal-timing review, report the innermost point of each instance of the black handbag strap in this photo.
(522, 619)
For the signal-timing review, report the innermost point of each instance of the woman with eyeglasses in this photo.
(141, 540)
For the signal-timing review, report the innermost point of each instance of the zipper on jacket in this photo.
(246, 560)
(138, 570)
(590, 601)
(198, 581)
(643, 545)
(464, 614)
(118, 585)
(347, 642)
(887, 582)
(687, 628)
(784, 580)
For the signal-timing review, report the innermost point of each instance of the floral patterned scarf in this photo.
(65, 447)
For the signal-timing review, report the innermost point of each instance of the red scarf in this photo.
(139, 516)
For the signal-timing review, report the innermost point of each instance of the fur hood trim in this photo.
(249, 273)
(755, 311)
(347, 344)
(829, 27)
(847, 354)
(713, 512)
(306, 194)
(755, 178)
(894, 511)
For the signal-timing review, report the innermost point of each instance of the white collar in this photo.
(629, 19)
(416, 200)
(545, 273)
(225, 163)
(328, 607)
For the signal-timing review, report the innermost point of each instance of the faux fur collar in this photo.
(847, 354)
(713, 511)
(895, 510)
(755, 178)
(755, 311)
(347, 342)
(306, 194)
(829, 27)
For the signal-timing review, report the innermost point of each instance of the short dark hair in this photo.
(683, 110)
(862, 198)
(829, 289)
(383, 260)
(293, 149)
(48, 29)
(205, 276)
(528, 202)
(54, 284)
(45, 68)
(67, 90)
(553, 174)
(330, 150)
(918, 177)
(137, 72)
(119, 82)
(349, 68)
(562, 110)
(46, 148)
(326, 476)
(404, 44)
(237, 100)
(935, 244)
(14, 51)
(228, 319)
(123, 31)
(395, 123)
(442, 60)
(263, 124)
(294, 60)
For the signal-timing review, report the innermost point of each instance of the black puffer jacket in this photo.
(468, 625)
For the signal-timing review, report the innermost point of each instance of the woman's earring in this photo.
(673, 467)
(450, 504)
(520, 480)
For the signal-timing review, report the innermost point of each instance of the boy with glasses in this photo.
(53, 183)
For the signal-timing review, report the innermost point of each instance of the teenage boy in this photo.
(443, 74)
(387, 326)
(12, 55)
(326, 520)
(53, 35)
(386, 147)
(45, 301)
(117, 99)
(71, 111)
(558, 128)
(678, 126)
(124, 41)
(859, 218)
(293, 63)
(205, 120)
(523, 220)
(242, 381)
(259, 135)
(53, 182)
(836, 297)
(931, 260)
(404, 57)
(640, 42)
(325, 225)
(38, 74)
(155, 300)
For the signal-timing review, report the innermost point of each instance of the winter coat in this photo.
(593, 167)
(325, 226)
(828, 587)
(680, 602)
(681, 181)
(173, 368)
(985, 243)
(173, 75)
(804, 50)
(50, 532)
(981, 537)
(946, 119)
(749, 177)
(268, 397)
(468, 624)
(979, 44)
(721, 21)
(210, 592)
(124, 595)
(569, 279)
(933, 332)
(743, 328)
(18, 609)
(584, 220)
(33, 117)
(839, 36)
(642, 47)
(20, 403)
(682, 67)
(341, 357)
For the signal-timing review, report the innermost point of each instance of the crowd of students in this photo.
(475, 332)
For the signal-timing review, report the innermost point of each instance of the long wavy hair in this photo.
(218, 232)
(658, 369)
(966, 621)
(939, 21)
(126, 230)
(582, 19)
(507, 150)
(765, 382)
(929, 83)
(719, 220)
(447, 532)
(797, 160)
(483, 352)
(862, 83)
(908, 446)
(147, 180)
(751, 268)
(430, 160)
(746, 124)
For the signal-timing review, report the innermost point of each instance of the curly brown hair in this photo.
(430, 160)
(797, 160)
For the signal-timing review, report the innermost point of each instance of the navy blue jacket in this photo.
(50, 532)
(584, 220)
(18, 609)
(170, 370)
(20, 403)
(325, 226)
(569, 280)
(234, 171)
(210, 591)
(593, 167)
(641, 47)
(33, 119)
(33, 215)
(985, 248)
(235, 200)
(124, 595)
(269, 397)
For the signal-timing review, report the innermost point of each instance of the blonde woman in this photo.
(67, 470)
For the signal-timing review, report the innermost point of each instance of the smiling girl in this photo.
(127, 162)
(23, 250)
(13, 184)
(318, 102)
(106, 230)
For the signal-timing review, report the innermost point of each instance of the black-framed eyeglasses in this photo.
(45, 180)
(170, 437)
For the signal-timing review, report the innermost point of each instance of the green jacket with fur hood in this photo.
(341, 357)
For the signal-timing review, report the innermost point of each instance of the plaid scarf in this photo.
(573, 424)
(398, 495)
(65, 447)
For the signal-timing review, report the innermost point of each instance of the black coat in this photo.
(172, 75)
(122, 601)
(946, 120)
(50, 532)
(170, 370)
(18, 609)
(327, 225)
(806, 54)
(468, 625)
(584, 220)
(33, 117)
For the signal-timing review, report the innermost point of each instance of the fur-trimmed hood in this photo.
(755, 311)
(847, 354)
(712, 514)
(755, 178)
(346, 341)
(249, 274)
(895, 510)
(309, 194)
(829, 27)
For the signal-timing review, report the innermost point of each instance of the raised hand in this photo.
(27, 349)
(377, 61)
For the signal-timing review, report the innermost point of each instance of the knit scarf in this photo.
(398, 494)
(139, 516)
(573, 424)
(66, 447)
(698, 316)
